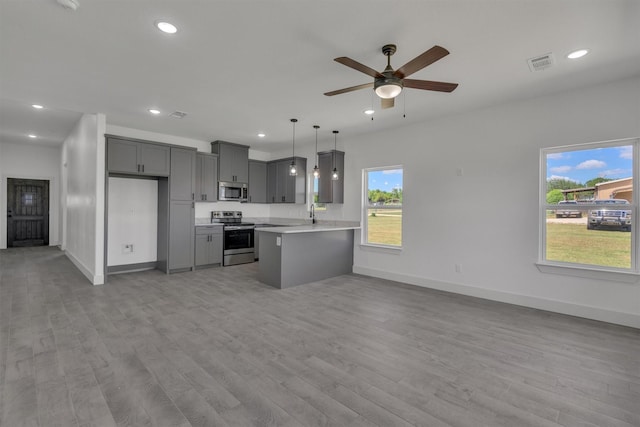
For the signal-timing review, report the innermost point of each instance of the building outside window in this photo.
(588, 206)
(382, 207)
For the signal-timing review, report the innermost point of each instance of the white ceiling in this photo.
(239, 67)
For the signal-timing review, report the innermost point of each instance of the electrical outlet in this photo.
(458, 268)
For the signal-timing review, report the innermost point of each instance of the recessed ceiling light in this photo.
(32, 136)
(166, 27)
(154, 111)
(261, 135)
(37, 106)
(369, 111)
(578, 53)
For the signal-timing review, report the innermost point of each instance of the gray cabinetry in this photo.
(181, 208)
(182, 179)
(233, 161)
(208, 245)
(283, 188)
(330, 191)
(181, 223)
(138, 158)
(206, 177)
(257, 181)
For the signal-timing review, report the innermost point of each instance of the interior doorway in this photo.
(27, 212)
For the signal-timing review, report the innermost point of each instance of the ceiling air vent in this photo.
(541, 62)
(178, 114)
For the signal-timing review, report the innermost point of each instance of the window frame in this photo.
(365, 207)
(631, 274)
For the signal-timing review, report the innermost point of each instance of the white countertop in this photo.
(305, 229)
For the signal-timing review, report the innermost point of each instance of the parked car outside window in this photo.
(565, 209)
(610, 216)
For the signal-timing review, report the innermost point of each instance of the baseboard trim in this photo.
(95, 279)
(587, 312)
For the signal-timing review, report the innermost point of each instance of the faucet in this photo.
(312, 214)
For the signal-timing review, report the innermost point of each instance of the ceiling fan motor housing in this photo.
(388, 86)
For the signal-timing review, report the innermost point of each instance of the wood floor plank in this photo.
(216, 347)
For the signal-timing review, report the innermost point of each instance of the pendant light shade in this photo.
(293, 171)
(316, 169)
(334, 174)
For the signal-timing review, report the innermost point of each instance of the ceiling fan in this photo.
(389, 83)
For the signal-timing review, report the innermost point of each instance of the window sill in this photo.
(380, 248)
(589, 272)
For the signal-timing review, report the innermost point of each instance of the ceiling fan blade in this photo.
(429, 85)
(418, 63)
(348, 89)
(387, 102)
(358, 66)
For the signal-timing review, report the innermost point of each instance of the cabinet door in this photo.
(202, 249)
(272, 182)
(181, 236)
(241, 164)
(154, 159)
(182, 179)
(206, 177)
(216, 248)
(122, 156)
(257, 182)
(233, 163)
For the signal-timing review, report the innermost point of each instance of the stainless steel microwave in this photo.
(235, 191)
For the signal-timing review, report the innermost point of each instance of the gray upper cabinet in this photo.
(233, 161)
(330, 191)
(206, 177)
(182, 179)
(257, 181)
(283, 188)
(138, 158)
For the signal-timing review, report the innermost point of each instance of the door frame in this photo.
(54, 206)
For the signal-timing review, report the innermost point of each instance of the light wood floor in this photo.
(216, 347)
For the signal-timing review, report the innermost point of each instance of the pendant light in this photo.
(316, 169)
(293, 171)
(334, 175)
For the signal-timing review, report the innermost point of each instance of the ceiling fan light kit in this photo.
(389, 83)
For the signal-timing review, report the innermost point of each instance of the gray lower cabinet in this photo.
(137, 158)
(284, 188)
(208, 245)
(257, 181)
(206, 177)
(181, 223)
(329, 190)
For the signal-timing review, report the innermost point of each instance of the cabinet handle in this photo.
(142, 168)
(193, 196)
(138, 168)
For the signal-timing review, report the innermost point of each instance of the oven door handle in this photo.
(239, 227)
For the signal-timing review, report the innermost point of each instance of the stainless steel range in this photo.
(238, 237)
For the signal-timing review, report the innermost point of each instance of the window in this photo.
(382, 207)
(588, 206)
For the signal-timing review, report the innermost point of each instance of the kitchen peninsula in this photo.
(291, 256)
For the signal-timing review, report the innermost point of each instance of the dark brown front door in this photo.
(27, 212)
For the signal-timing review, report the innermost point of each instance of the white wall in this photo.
(132, 220)
(487, 219)
(83, 157)
(31, 161)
